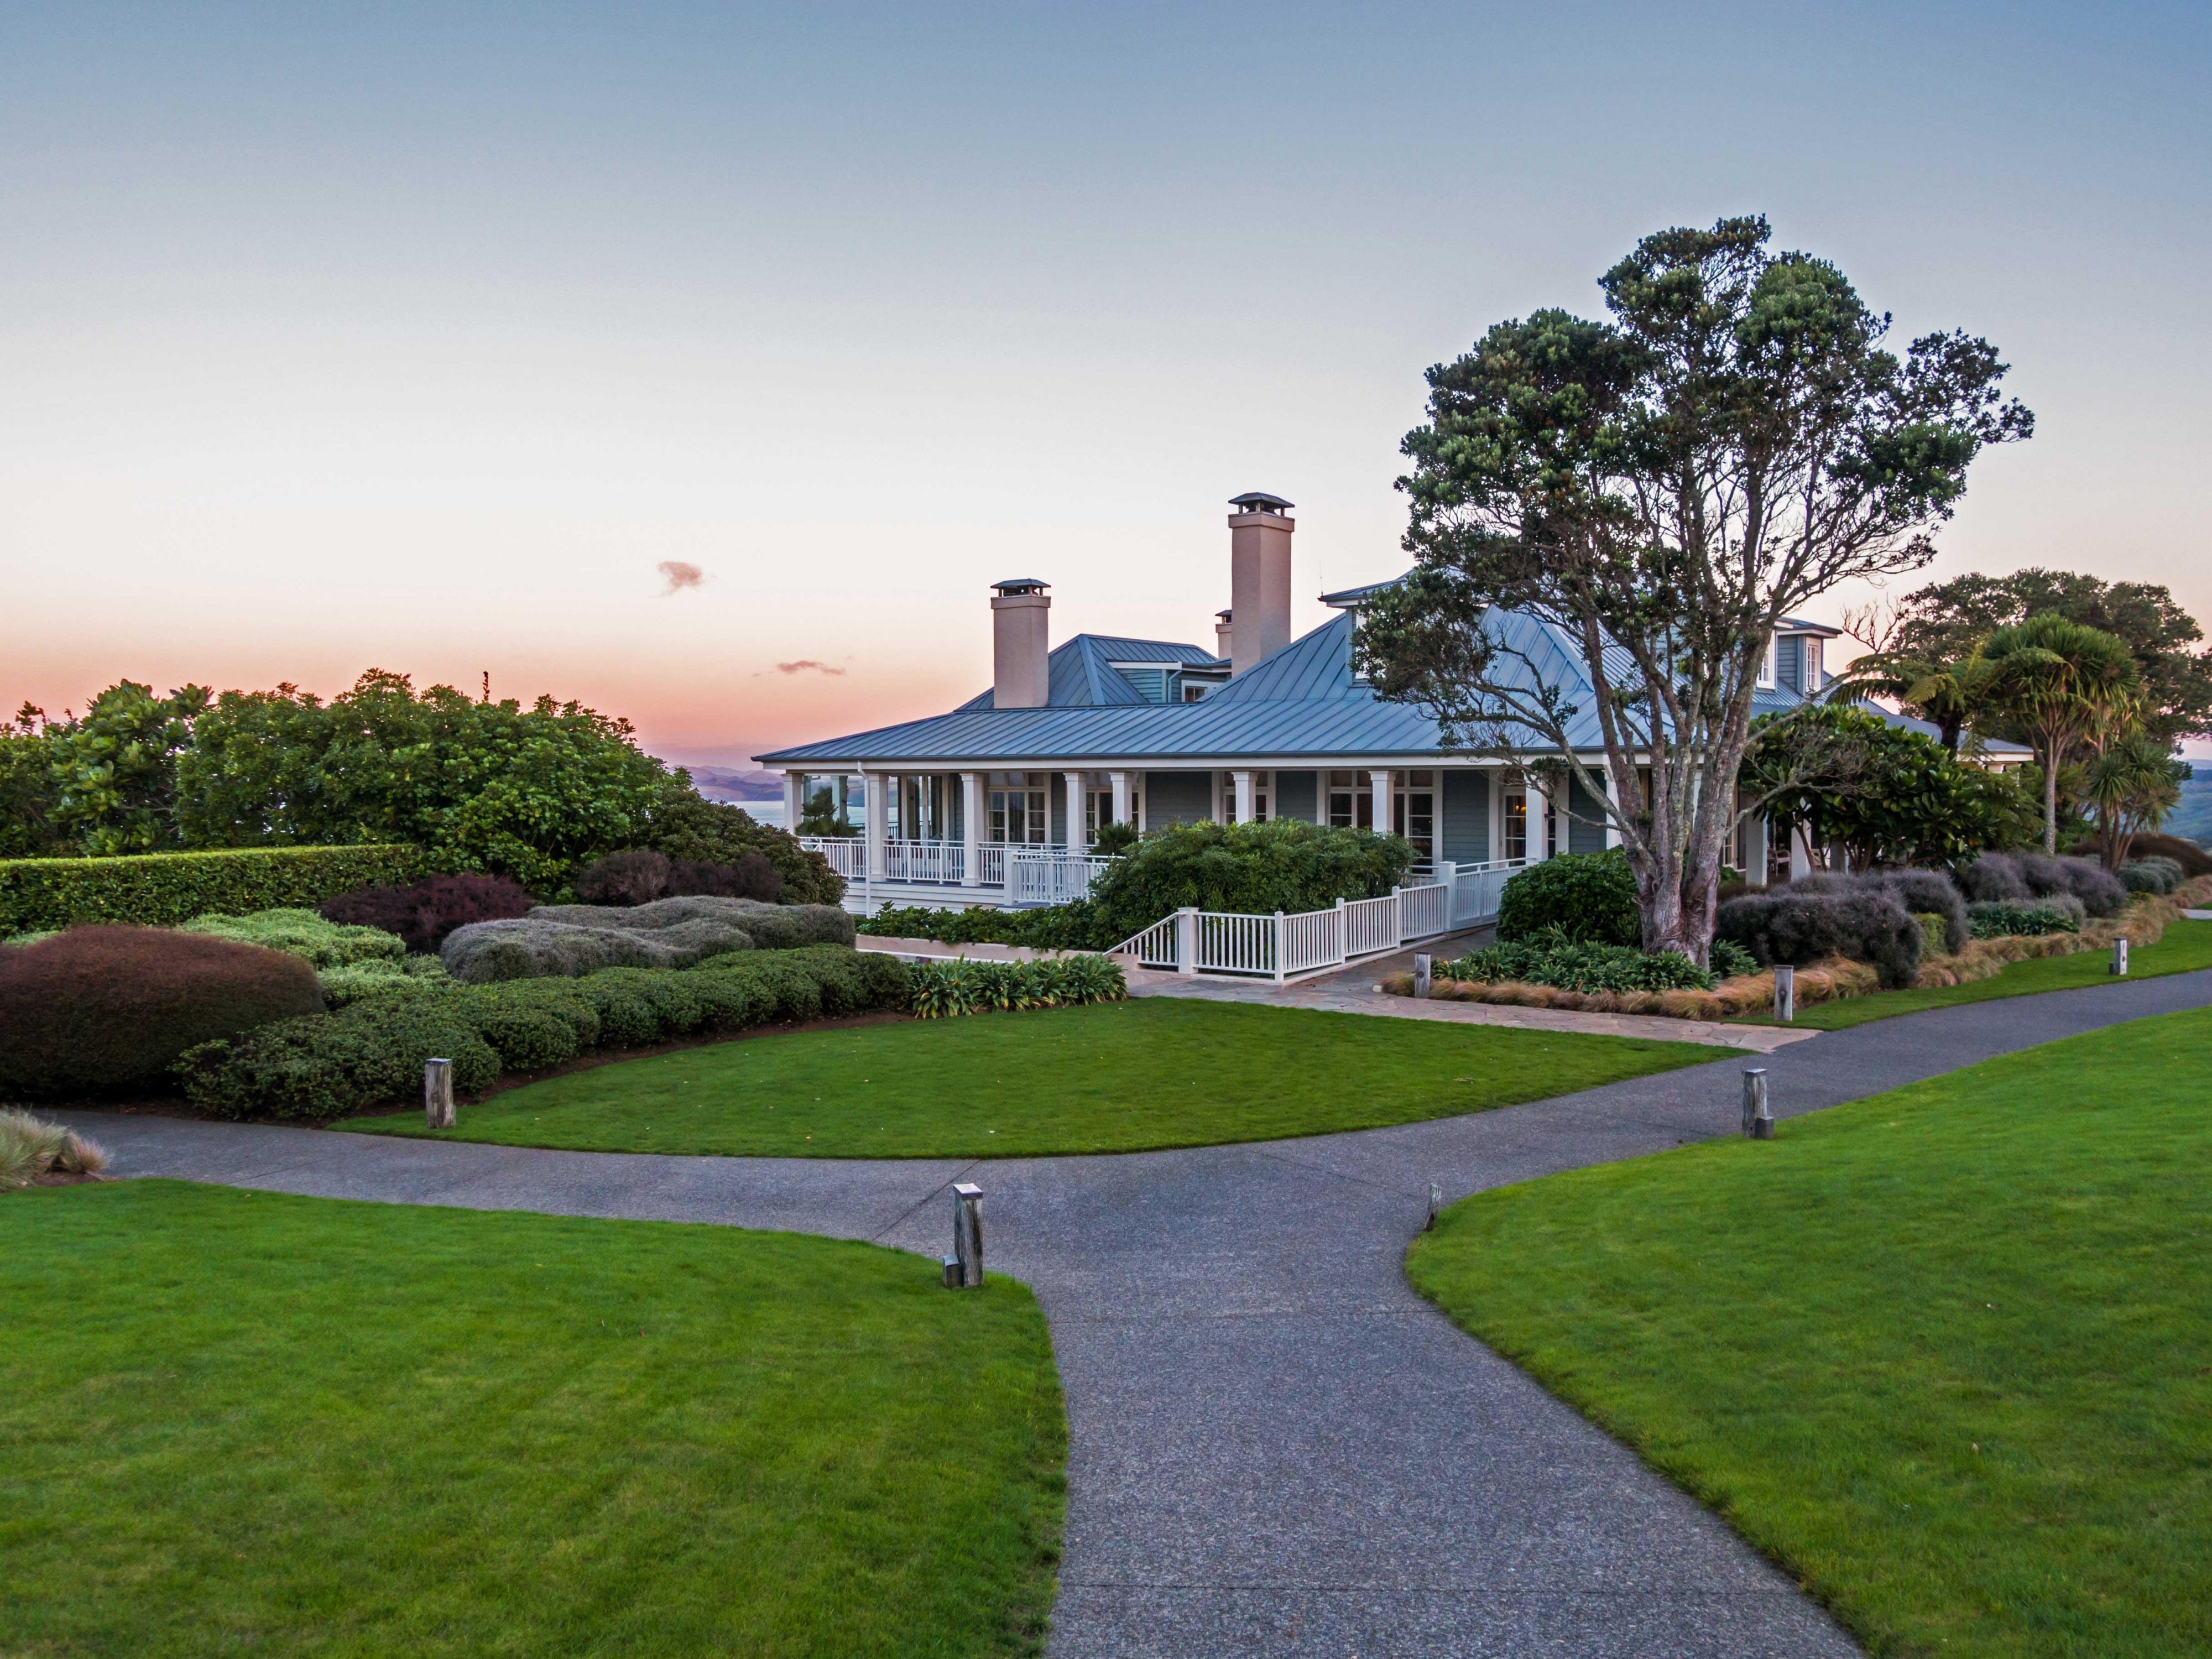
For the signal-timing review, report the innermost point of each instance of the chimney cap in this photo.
(1019, 585)
(1224, 615)
(1259, 501)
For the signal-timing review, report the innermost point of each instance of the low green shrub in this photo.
(966, 986)
(160, 890)
(371, 1052)
(2155, 874)
(1075, 926)
(406, 976)
(1582, 896)
(2022, 918)
(1285, 864)
(1863, 924)
(1571, 964)
(105, 1010)
(300, 933)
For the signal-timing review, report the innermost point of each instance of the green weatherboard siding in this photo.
(1943, 1352)
(250, 1423)
(1112, 1077)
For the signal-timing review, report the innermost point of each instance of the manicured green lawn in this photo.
(1111, 1078)
(241, 1422)
(2186, 947)
(1945, 1353)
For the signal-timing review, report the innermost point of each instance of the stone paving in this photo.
(1276, 1448)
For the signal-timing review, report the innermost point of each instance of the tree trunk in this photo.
(2050, 803)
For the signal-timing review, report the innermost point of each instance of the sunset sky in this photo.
(423, 337)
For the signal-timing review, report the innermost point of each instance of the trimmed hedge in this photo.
(1997, 877)
(371, 1053)
(98, 1010)
(160, 890)
(2024, 918)
(1923, 892)
(557, 939)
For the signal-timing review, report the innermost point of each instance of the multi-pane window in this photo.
(1019, 813)
(1351, 802)
(1516, 836)
(1413, 809)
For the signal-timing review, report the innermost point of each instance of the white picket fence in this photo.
(1193, 941)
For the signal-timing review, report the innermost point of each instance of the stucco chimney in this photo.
(1259, 577)
(1223, 643)
(1021, 641)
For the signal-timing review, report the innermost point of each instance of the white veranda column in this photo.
(1246, 800)
(1539, 818)
(1801, 854)
(1120, 783)
(1076, 803)
(1379, 782)
(794, 801)
(971, 829)
(1755, 831)
(876, 793)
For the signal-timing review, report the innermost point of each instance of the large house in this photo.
(996, 801)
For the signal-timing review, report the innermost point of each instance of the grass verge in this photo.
(249, 1422)
(1112, 1077)
(2186, 947)
(1943, 1352)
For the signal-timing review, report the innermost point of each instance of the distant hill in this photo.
(725, 783)
(2192, 819)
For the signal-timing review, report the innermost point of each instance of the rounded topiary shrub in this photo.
(1586, 895)
(2155, 874)
(423, 913)
(102, 1010)
(1868, 925)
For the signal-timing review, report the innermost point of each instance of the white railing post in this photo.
(1187, 940)
(1397, 914)
(1343, 933)
(1279, 943)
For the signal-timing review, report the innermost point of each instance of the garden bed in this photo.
(1835, 979)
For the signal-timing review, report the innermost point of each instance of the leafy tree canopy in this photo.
(1947, 621)
(1662, 489)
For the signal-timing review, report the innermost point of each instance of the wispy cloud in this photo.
(680, 575)
(806, 666)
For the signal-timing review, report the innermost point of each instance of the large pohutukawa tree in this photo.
(1662, 489)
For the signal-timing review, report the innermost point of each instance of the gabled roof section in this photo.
(1316, 668)
(1081, 673)
(1347, 597)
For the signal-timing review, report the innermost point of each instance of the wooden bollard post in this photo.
(1422, 966)
(967, 1235)
(2120, 955)
(1785, 992)
(1758, 1120)
(437, 1093)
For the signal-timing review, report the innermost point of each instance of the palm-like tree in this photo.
(2133, 781)
(1948, 695)
(2057, 682)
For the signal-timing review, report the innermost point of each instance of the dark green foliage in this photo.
(672, 933)
(1886, 795)
(2006, 918)
(160, 889)
(304, 934)
(424, 913)
(636, 876)
(1256, 868)
(1570, 964)
(1951, 619)
(683, 825)
(945, 988)
(497, 787)
(26, 792)
(1075, 926)
(115, 785)
(98, 1010)
(1868, 925)
(1583, 896)
(371, 1053)
(1113, 840)
(2153, 874)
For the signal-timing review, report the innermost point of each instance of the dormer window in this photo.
(1766, 665)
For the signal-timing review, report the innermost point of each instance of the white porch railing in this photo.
(1193, 941)
(1475, 889)
(1005, 874)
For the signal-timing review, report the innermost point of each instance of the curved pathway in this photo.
(1276, 1447)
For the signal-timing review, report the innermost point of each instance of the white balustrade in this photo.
(1312, 938)
(1232, 944)
(1280, 946)
(1477, 887)
(1153, 948)
(1052, 876)
(1371, 925)
(847, 855)
(1424, 911)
